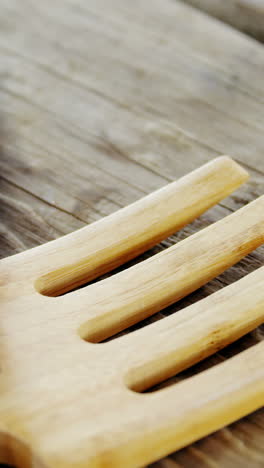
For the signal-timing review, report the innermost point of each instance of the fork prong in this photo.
(173, 344)
(146, 288)
(80, 257)
(170, 419)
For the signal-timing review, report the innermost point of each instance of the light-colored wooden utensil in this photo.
(67, 400)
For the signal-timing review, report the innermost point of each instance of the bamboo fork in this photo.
(67, 400)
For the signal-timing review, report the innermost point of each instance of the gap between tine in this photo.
(138, 292)
(169, 346)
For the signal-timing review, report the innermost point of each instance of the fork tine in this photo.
(169, 419)
(169, 346)
(92, 251)
(148, 287)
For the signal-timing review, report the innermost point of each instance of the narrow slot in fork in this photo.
(147, 287)
(169, 346)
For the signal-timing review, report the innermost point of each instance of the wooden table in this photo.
(104, 101)
(245, 15)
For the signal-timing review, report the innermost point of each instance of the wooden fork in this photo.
(68, 401)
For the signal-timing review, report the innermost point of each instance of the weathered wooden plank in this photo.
(106, 101)
(27, 221)
(169, 118)
(245, 15)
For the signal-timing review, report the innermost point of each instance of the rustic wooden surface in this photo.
(104, 101)
(245, 15)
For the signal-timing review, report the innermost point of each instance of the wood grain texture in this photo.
(245, 15)
(107, 101)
